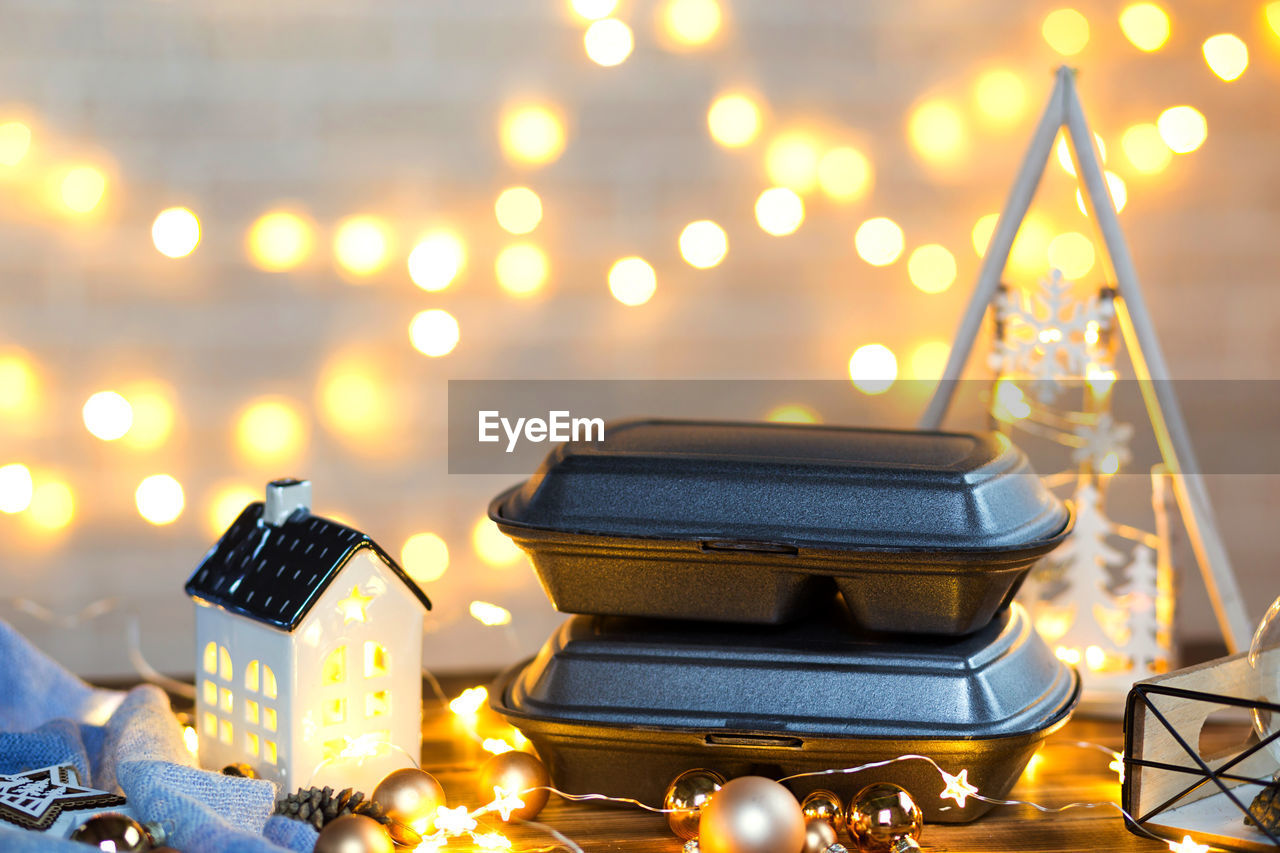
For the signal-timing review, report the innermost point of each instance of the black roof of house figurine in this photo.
(274, 562)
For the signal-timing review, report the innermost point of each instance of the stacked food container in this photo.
(774, 599)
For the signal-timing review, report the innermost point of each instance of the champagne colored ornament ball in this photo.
(824, 805)
(410, 796)
(883, 818)
(818, 835)
(515, 773)
(112, 831)
(686, 796)
(354, 833)
(752, 814)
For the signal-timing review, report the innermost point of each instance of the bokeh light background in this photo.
(245, 239)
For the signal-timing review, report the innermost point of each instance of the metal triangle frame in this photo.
(1150, 369)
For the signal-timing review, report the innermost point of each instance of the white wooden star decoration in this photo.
(35, 799)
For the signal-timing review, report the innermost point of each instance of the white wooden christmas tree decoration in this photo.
(308, 646)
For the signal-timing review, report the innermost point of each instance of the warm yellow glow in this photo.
(936, 132)
(362, 245)
(982, 231)
(873, 368)
(191, 739)
(226, 504)
(632, 281)
(1188, 845)
(1145, 148)
(608, 42)
(210, 664)
(1064, 154)
(1183, 129)
(490, 614)
(425, 557)
(355, 401)
(469, 702)
(531, 135)
(377, 662)
(82, 188)
(335, 711)
(1009, 404)
(18, 385)
(1033, 767)
(271, 430)
(505, 802)
(929, 359)
(703, 244)
(152, 415)
(1072, 254)
(494, 841)
(691, 23)
(931, 268)
(434, 332)
(1100, 381)
(734, 120)
(793, 413)
(779, 211)
(1067, 655)
(107, 415)
(496, 746)
(1110, 463)
(252, 680)
(518, 209)
(1095, 657)
(957, 787)
(1031, 245)
(52, 505)
(1119, 193)
(522, 269)
(593, 10)
(1272, 11)
(175, 232)
(844, 174)
(1145, 25)
(1226, 55)
(1001, 96)
(879, 241)
(1055, 623)
(792, 161)
(1066, 31)
(15, 141)
(159, 499)
(492, 545)
(279, 241)
(353, 607)
(16, 488)
(269, 690)
(438, 258)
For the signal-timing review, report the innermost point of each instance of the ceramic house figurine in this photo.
(308, 639)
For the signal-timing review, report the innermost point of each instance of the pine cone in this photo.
(1264, 812)
(318, 806)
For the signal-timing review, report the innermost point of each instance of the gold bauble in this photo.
(410, 796)
(112, 831)
(515, 773)
(883, 818)
(354, 833)
(686, 796)
(818, 835)
(751, 814)
(824, 805)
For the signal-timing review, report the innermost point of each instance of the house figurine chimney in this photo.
(284, 498)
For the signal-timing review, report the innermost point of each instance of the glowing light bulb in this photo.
(844, 174)
(175, 232)
(929, 359)
(226, 504)
(982, 231)
(1066, 31)
(632, 281)
(779, 211)
(16, 488)
(931, 268)
(879, 241)
(1064, 154)
(436, 260)
(521, 269)
(18, 385)
(107, 415)
(1119, 193)
(469, 702)
(425, 557)
(1226, 55)
(531, 135)
(691, 23)
(434, 332)
(1145, 148)
(1072, 254)
(703, 244)
(489, 614)
(937, 133)
(518, 210)
(793, 413)
(1145, 25)
(873, 368)
(82, 188)
(593, 10)
(734, 120)
(492, 545)
(159, 499)
(152, 415)
(1183, 129)
(1030, 245)
(52, 505)
(1001, 96)
(279, 241)
(355, 402)
(608, 42)
(271, 431)
(792, 162)
(361, 245)
(15, 141)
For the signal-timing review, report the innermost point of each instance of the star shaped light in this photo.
(957, 787)
(505, 802)
(454, 821)
(352, 607)
(492, 841)
(1117, 764)
(1187, 845)
(35, 799)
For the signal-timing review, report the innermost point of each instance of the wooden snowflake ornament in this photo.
(36, 799)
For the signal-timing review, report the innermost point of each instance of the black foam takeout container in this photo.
(622, 706)
(922, 532)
